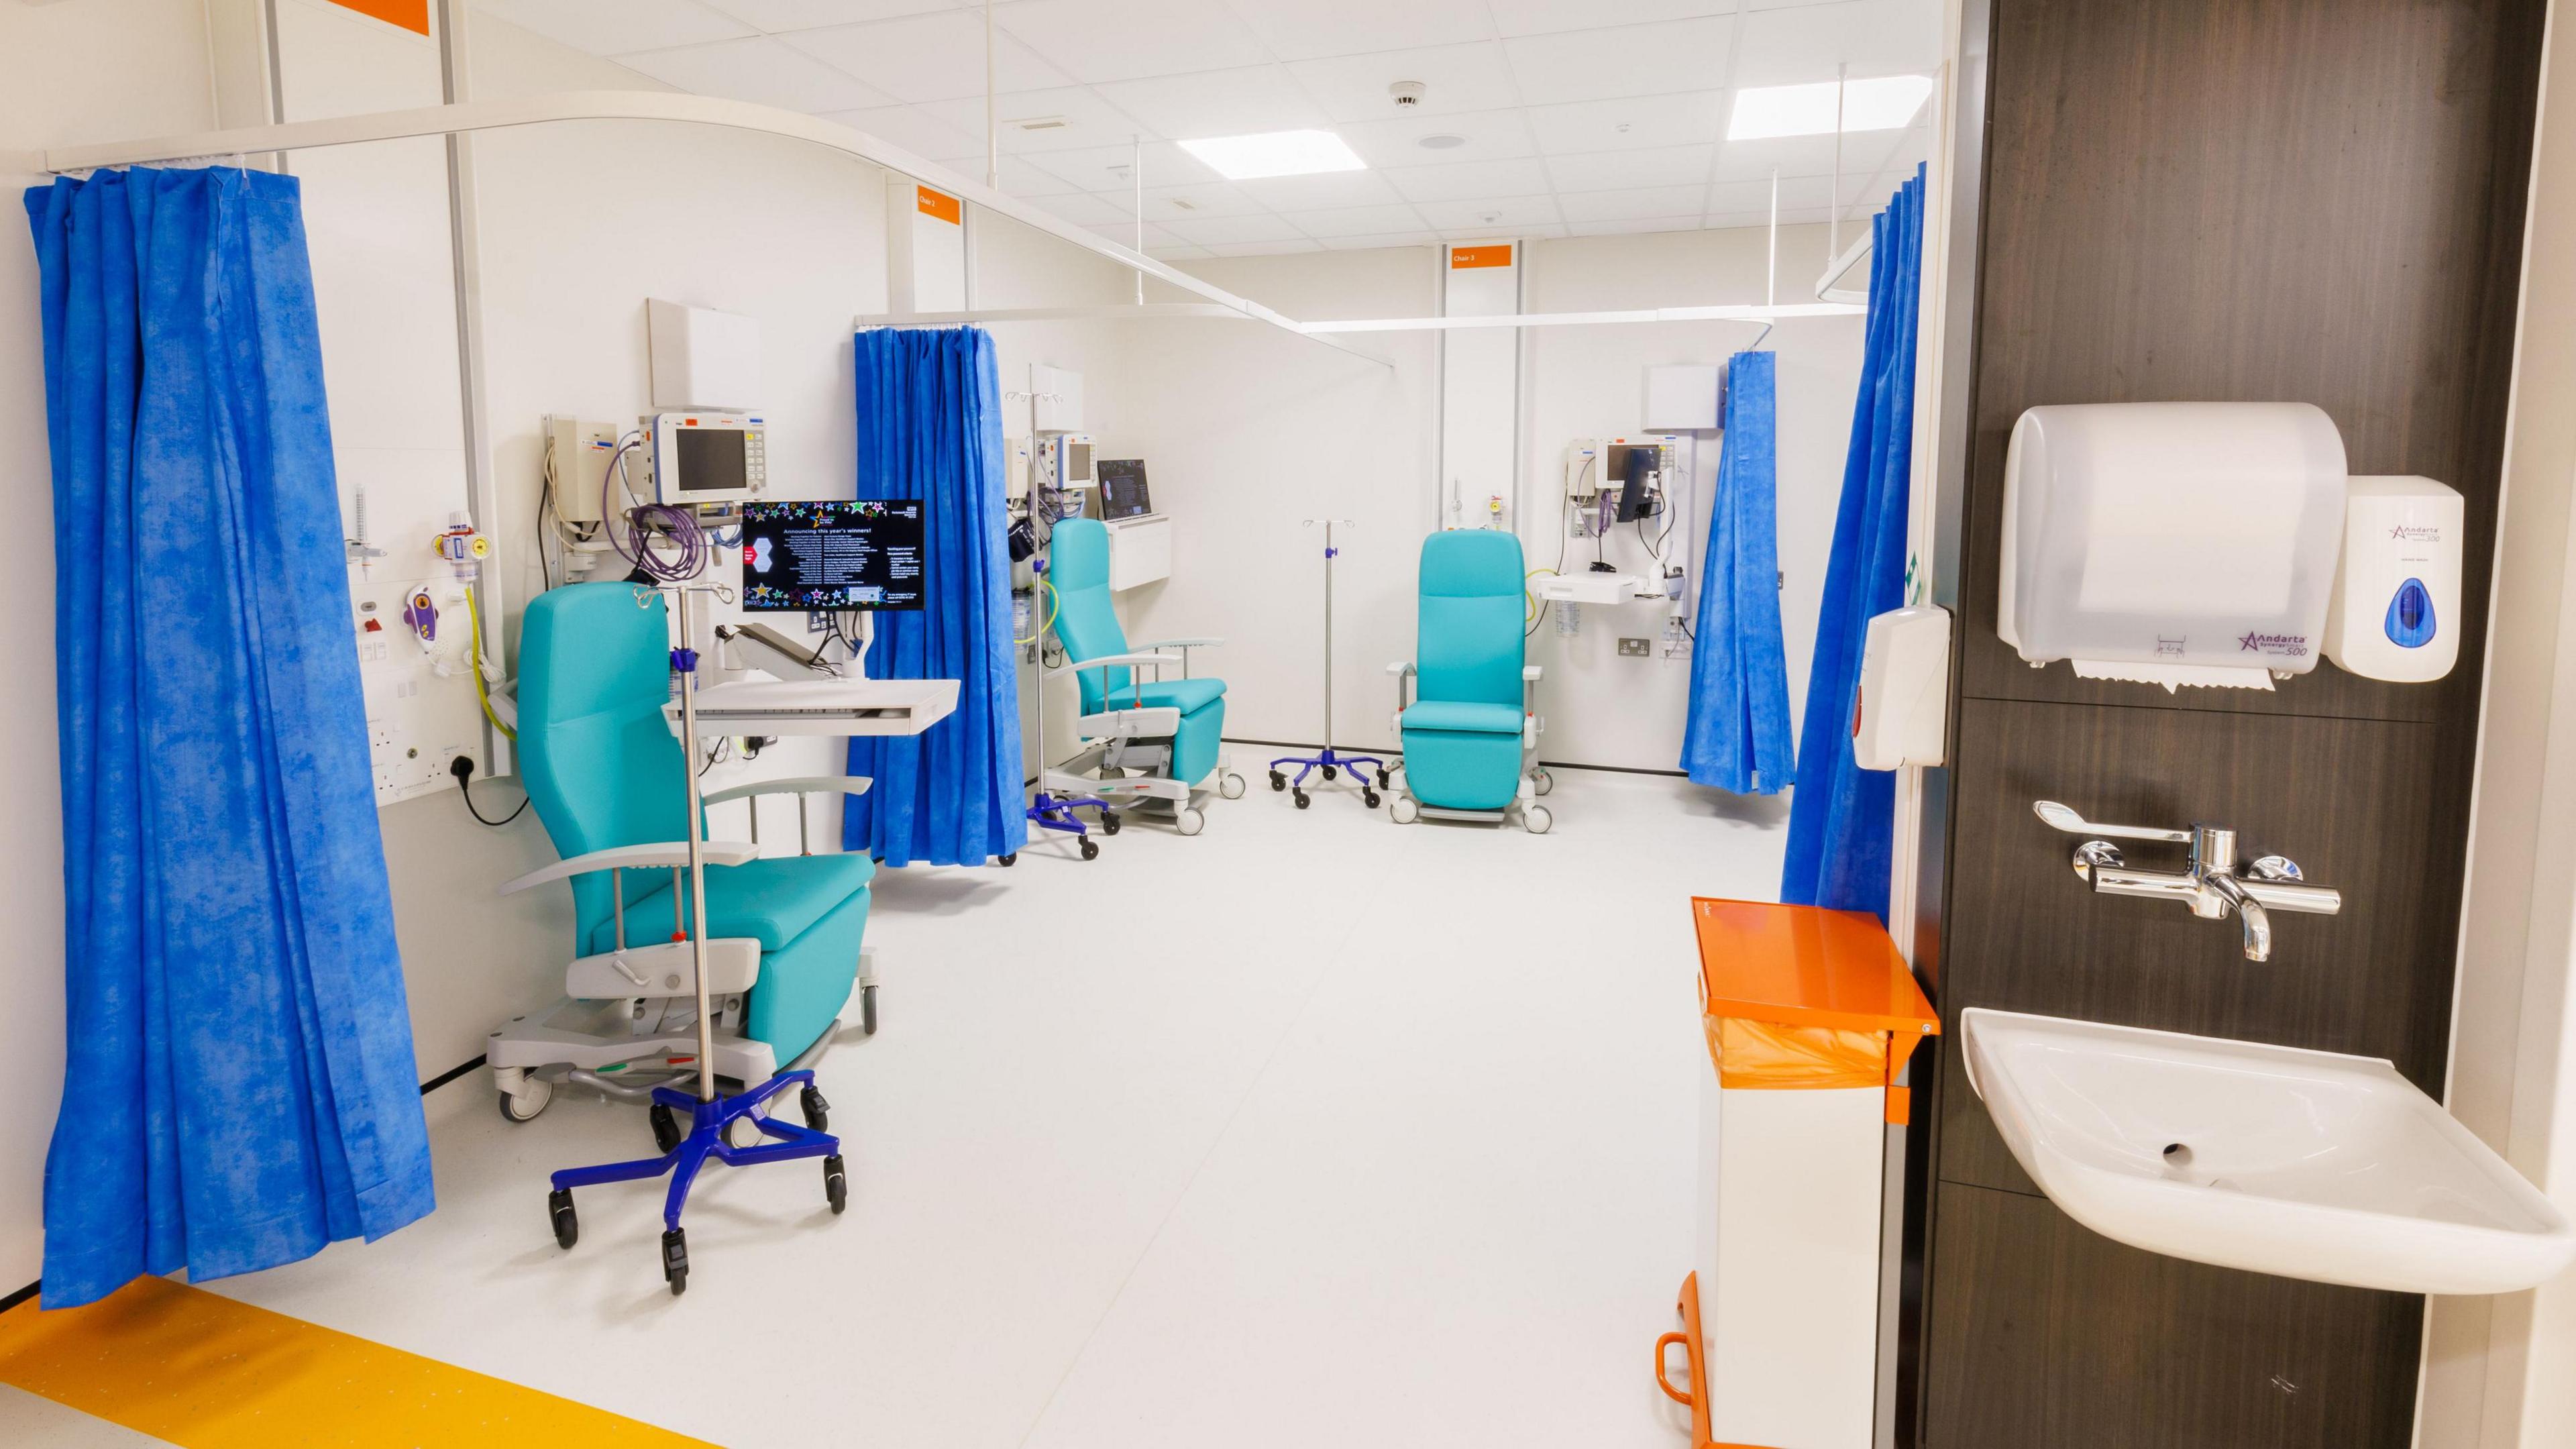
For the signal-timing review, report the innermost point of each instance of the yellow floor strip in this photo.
(205, 1372)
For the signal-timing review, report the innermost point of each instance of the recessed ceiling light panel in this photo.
(1881, 103)
(1277, 153)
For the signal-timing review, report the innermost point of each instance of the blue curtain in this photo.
(1842, 816)
(930, 427)
(240, 1089)
(1737, 735)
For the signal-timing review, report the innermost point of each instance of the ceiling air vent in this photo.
(1039, 123)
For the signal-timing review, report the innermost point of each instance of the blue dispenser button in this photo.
(2410, 616)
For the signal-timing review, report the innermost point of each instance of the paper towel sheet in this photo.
(2171, 676)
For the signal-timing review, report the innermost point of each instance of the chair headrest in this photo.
(1079, 556)
(1471, 563)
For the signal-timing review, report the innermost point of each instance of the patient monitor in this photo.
(707, 457)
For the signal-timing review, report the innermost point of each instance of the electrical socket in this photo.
(1635, 648)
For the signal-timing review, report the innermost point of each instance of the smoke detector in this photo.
(1406, 93)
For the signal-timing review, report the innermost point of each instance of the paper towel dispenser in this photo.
(2172, 543)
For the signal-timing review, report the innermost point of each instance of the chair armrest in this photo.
(1530, 673)
(658, 855)
(1113, 661)
(1208, 643)
(1400, 667)
(799, 785)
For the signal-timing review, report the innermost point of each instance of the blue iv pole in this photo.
(1330, 763)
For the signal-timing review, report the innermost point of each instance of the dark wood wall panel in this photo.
(2057, 1336)
(2215, 200)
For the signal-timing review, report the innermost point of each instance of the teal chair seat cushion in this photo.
(1188, 696)
(775, 899)
(1463, 717)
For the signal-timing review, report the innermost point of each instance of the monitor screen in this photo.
(713, 460)
(832, 555)
(1122, 488)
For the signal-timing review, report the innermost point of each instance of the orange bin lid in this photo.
(1806, 966)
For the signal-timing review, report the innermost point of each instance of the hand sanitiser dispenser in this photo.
(2172, 543)
(2396, 613)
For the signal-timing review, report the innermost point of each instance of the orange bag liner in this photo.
(1800, 997)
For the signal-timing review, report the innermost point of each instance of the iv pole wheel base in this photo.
(567, 1222)
(666, 1128)
(1278, 781)
(1011, 859)
(867, 1020)
(1404, 811)
(818, 1113)
(675, 1260)
(1328, 772)
(524, 1104)
(1109, 822)
(836, 1185)
(1304, 799)
(1189, 820)
(1090, 848)
(1231, 787)
(1369, 798)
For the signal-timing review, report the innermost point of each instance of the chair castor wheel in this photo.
(1304, 799)
(1090, 848)
(1230, 786)
(567, 1222)
(1109, 822)
(675, 1260)
(836, 1183)
(1011, 859)
(524, 1104)
(868, 1009)
(1278, 781)
(666, 1128)
(1369, 798)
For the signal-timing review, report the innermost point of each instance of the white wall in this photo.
(158, 83)
(2496, 1369)
(1246, 431)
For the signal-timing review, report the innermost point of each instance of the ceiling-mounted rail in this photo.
(470, 116)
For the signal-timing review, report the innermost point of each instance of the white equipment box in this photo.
(1140, 550)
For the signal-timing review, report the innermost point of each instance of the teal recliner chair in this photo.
(1157, 741)
(605, 774)
(1469, 718)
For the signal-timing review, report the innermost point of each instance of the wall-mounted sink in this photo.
(2302, 1163)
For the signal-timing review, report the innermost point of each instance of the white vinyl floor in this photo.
(1311, 1130)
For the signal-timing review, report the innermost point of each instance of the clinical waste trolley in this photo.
(1810, 1015)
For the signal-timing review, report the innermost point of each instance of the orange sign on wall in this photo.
(939, 204)
(1461, 258)
(411, 15)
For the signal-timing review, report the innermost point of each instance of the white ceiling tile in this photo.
(1264, 249)
(1226, 230)
(1357, 220)
(1542, 17)
(611, 27)
(1501, 213)
(1814, 215)
(1797, 193)
(1019, 177)
(1647, 201)
(1627, 170)
(937, 57)
(1318, 192)
(1629, 125)
(913, 129)
(1487, 136)
(1106, 40)
(1308, 29)
(1387, 239)
(1085, 208)
(1801, 44)
(1469, 179)
(1240, 102)
(777, 15)
(1455, 78)
(1802, 156)
(1181, 253)
(1091, 123)
(1529, 233)
(1631, 60)
(759, 70)
(1208, 199)
(1125, 235)
(1634, 225)
(1108, 168)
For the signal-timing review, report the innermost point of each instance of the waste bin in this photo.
(1810, 1015)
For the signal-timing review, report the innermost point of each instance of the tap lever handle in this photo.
(2074, 824)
